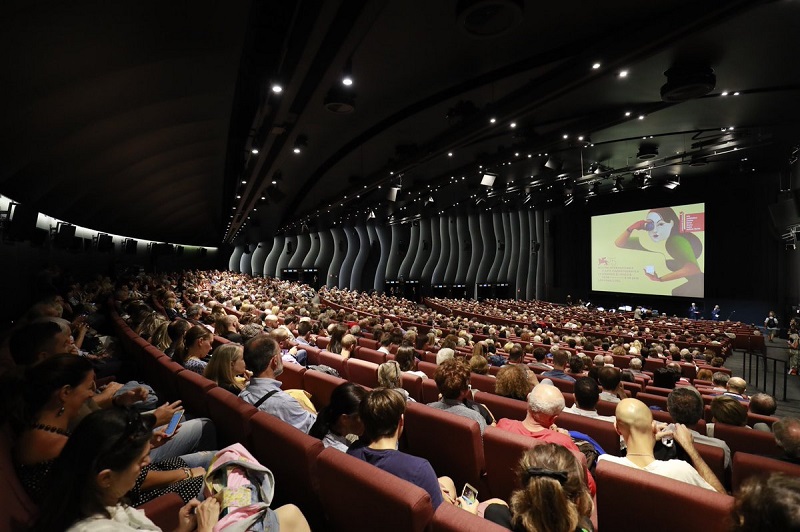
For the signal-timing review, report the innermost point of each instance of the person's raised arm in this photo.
(685, 440)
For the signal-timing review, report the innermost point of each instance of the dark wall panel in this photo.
(339, 244)
(271, 264)
(423, 250)
(346, 271)
(411, 254)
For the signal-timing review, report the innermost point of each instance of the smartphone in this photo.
(650, 269)
(469, 494)
(173, 423)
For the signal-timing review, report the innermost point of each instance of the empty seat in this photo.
(625, 501)
(451, 443)
(291, 455)
(362, 372)
(502, 451)
(746, 465)
(384, 502)
(231, 416)
(320, 386)
(193, 389)
(652, 364)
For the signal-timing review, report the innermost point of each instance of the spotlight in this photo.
(347, 74)
(623, 73)
(254, 151)
(596, 66)
(300, 144)
(277, 88)
(488, 180)
(371, 215)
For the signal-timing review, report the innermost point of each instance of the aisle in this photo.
(776, 349)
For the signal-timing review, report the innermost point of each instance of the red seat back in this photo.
(19, 511)
(503, 407)
(163, 510)
(413, 385)
(430, 392)
(427, 368)
(431, 434)
(484, 383)
(292, 377)
(448, 518)
(747, 440)
(231, 416)
(563, 384)
(335, 361)
(655, 390)
(384, 500)
(371, 355)
(166, 378)
(653, 400)
(502, 451)
(625, 498)
(362, 372)
(322, 341)
(746, 465)
(193, 389)
(291, 455)
(603, 432)
(320, 386)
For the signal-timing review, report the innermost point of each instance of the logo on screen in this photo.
(692, 222)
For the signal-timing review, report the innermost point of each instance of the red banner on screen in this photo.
(693, 222)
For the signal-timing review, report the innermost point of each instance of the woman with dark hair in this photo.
(176, 331)
(335, 345)
(47, 402)
(679, 249)
(553, 498)
(407, 360)
(101, 463)
(191, 353)
(338, 425)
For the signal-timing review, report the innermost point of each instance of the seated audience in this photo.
(735, 388)
(290, 354)
(634, 422)
(560, 358)
(512, 381)
(704, 375)
(611, 380)
(381, 412)
(787, 436)
(407, 360)
(762, 404)
(539, 354)
(720, 381)
(227, 327)
(452, 379)
(390, 376)
(176, 331)
(685, 406)
(349, 344)
(587, 394)
(767, 503)
(554, 495)
(262, 357)
(445, 353)
(545, 403)
(665, 378)
(338, 425)
(227, 368)
(478, 364)
(99, 465)
(726, 410)
(192, 352)
(337, 333)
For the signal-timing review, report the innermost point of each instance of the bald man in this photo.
(634, 422)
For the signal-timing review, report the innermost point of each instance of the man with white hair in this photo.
(545, 403)
(444, 353)
(635, 366)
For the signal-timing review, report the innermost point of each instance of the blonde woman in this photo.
(390, 376)
(227, 368)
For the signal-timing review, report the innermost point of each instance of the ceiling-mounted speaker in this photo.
(686, 82)
(647, 151)
(553, 163)
(488, 18)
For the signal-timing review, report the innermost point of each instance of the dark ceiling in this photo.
(140, 118)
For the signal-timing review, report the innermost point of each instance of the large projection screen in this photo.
(656, 251)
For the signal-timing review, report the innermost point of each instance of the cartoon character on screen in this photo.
(680, 250)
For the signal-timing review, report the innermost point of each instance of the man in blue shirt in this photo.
(560, 358)
(262, 356)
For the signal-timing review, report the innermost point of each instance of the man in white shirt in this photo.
(635, 424)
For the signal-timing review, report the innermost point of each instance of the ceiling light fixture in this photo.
(488, 179)
(623, 73)
(513, 125)
(492, 120)
(596, 66)
(277, 88)
(300, 143)
(254, 151)
(347, 74)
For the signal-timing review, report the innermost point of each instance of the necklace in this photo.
(50, 428)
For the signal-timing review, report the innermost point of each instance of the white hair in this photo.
(444, 354)
(546, 400)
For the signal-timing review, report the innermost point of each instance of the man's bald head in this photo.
(737, 385)
(546, 399)
(634, 416)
